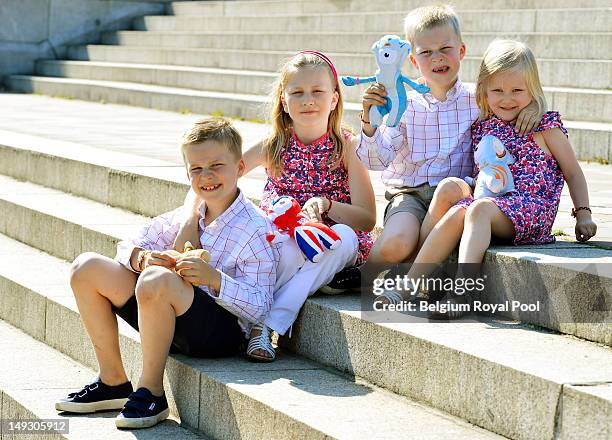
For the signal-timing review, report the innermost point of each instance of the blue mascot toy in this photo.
(390, 52)
(494, 176)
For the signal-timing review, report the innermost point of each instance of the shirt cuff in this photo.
(124, 254)
(227, 289)
(369, 139)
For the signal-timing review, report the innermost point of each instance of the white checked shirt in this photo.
(237, 243)
(431, 142)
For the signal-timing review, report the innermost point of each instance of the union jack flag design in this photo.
(313, 238)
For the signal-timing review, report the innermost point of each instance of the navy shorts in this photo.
(205, 330)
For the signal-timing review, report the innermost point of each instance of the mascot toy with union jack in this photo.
(313, 238)
(494, 176)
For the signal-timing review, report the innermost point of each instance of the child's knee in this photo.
(349, 245)
(449, 191)
(398, 247)
(153, 282)
(347, 234)
(84, 267)
(454, 217)
(396, 253)
(480, 210)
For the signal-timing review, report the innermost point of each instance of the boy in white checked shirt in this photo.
(432, 141)
(155, 293)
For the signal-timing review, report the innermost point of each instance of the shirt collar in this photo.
(451, 95)
(226, 216)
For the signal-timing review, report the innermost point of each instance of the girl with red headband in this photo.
(310, 156)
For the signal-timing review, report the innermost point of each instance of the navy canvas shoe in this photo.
(96, 396)
(143, 410)
(347, 279)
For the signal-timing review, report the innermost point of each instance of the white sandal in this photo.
(263, 341)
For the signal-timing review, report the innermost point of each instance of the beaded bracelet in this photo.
(361, 117)
(580, 208)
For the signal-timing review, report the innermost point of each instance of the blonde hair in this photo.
(504, 55)
(274, 146)
(213, 129)
(429, 17)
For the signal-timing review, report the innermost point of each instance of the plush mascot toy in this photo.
(312, 237)
(390, 52)
(190, 251)
(494, 176)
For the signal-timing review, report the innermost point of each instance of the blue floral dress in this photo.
(307, 173)
(538, 179)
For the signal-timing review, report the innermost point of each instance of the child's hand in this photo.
(373, 95)
(315, 207)
(585, 226)
(198, 272)
(528, 119)
(188, 232)
(156, 258)
(188, 228)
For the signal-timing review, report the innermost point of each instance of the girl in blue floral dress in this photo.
(508, 81)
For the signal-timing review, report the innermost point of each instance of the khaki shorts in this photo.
(415, 200)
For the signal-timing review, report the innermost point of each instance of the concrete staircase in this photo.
(343, 374)
(220, 57)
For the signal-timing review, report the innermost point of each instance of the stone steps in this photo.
(221, 398)
(591, 140)
(70, 167)
(448, 366)
(511, 20)
(35, 375)
(573, 104)
(544, 44)
(400, 7)
(590, 74)
(67, 237)
(514, 379)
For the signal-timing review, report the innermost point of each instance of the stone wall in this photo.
(34, 29)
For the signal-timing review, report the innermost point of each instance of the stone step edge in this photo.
(24, 402)
(251, 73)
(352, 108)
(239, 3)
(62, 309)
(288, 53)
(459, 11)
(183, 373)
(373, 33)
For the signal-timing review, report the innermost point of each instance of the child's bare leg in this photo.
(482, 219)
(98, 283)
(440, 243)
(443, 238)
(448, 192)
(398, 240)
(162, 295)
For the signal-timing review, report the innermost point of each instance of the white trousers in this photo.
(297, 278)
